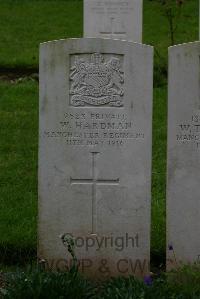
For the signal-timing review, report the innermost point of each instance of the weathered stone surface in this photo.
(117, 19)
(95, 154)
(183, 192)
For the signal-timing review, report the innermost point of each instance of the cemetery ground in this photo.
(23, 26)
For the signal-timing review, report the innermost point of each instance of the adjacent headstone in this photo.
(95, 155)
(117, 19)
(183, 192)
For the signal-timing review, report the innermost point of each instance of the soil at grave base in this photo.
(18, 74)
(2, 281)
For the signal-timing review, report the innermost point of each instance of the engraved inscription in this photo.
(113, 28)
(113, 16)
(94, 181)
(96, 129)
(96, 82)
(189, 131)
(112, 7)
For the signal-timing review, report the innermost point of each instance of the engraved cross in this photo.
(112, 32)
(94, 181)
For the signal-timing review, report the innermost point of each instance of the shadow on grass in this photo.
(17, 256)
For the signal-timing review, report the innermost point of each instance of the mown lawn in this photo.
(24, 24)
(18, 164)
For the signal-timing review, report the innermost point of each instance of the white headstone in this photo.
(183, 191)
(117, 19)
(95, 154)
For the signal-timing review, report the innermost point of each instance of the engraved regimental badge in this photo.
(96, 82)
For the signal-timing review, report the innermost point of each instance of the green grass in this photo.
(156, 28)
(24, 24)
(18, 164)
(159, 171)
(37, 284)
